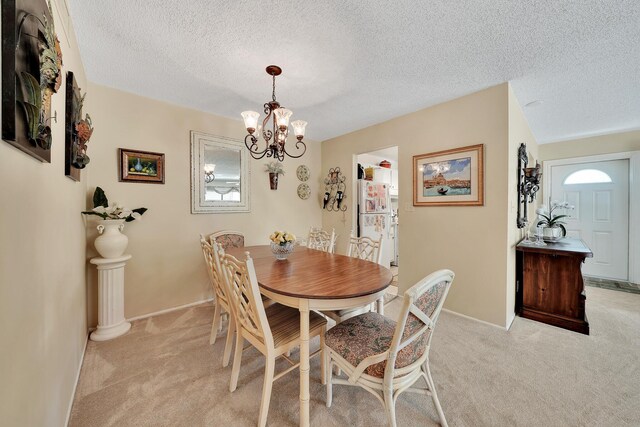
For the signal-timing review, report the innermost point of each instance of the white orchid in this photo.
(114, 210)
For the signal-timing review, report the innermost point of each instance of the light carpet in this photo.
(165, 373)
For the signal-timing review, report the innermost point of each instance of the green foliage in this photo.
(141, 211)
(99, 198)
(32, 103)
(274, 167)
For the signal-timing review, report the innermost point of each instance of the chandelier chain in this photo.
(273, 95)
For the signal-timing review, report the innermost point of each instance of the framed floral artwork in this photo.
(78, 130)
(449, 178)
(31, 74)
(141, 166)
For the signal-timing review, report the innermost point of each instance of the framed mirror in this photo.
(220, 173)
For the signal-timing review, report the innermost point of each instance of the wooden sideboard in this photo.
(549, 285)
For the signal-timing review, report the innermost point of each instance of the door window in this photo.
(588, 176)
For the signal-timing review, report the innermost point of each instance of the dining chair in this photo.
(221, 300)
(363, 248)
(321, 240)
(228, 239)
(385, 357)
(273, 331)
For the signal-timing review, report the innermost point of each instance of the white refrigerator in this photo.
(374, 215)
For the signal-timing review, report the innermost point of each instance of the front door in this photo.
(600, 193)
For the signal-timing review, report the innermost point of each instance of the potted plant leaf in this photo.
(274, 168)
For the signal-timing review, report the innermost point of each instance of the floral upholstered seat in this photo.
(387, 358)
(371, 333)
(228, 239)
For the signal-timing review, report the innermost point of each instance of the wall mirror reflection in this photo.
(219, 174)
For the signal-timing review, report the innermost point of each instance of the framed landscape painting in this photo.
(449, 178)
(141, 166)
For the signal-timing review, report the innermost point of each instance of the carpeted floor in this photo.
(164, 373)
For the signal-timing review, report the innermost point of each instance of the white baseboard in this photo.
(455, 313)
(169, 310)
(510, 320)
(75, 385)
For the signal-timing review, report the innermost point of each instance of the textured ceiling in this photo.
(348, 65)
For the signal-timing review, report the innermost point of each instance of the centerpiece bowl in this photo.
(282, 244)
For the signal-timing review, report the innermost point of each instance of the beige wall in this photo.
(167, 269)
(472, 241)
(604, 144)
(519, 132)
(42, 272)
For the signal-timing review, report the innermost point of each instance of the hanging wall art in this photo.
(449, 178)
(334, 191)
(78, 131)
(31, 74)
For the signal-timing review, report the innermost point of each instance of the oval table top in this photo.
(313, 274)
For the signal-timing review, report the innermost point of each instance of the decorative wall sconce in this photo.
(528, 184)
(334, 187)
(208, 172)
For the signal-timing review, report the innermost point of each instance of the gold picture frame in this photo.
(450, 177)
(140, 166)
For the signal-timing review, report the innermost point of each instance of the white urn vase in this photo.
(111, 243)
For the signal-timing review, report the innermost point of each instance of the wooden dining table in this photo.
(310, 279)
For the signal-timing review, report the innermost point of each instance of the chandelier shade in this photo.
(250, 120)
(274, 129)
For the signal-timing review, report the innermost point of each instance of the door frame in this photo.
(634, 197)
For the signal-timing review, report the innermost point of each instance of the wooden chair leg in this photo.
(390, 406)
(329, 380)
(237, 360)
(216, 322)
(266, 391)
(227, 347)
(434, 395)
(323, 362)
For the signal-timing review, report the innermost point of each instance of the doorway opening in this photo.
(376, 205)
(601, 192)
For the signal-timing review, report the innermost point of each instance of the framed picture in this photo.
(141, 166)
(31, 74)
(449, 178)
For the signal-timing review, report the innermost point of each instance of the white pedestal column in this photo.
(111, 321)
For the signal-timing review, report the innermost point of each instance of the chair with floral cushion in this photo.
(321, 240)
(227, 239)
(385, 357)
(221, 300)
(273, 330)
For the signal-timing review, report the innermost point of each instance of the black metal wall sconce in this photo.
(528, 184)
(334, 188)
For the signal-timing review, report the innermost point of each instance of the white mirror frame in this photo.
(199, 141)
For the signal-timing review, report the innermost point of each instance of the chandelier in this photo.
(277, 118)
